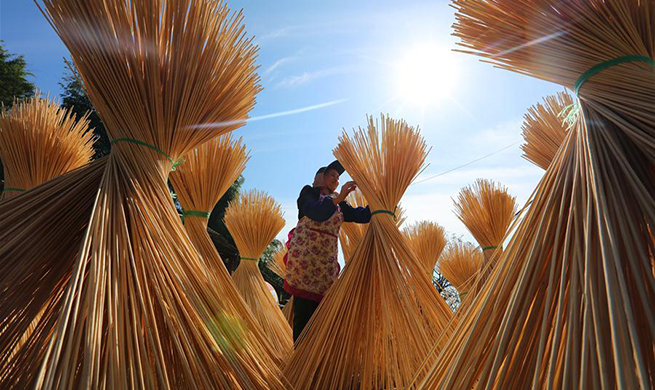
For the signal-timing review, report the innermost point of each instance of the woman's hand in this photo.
(346, 189)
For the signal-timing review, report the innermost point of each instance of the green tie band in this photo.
(384, 212)
(570, 113)
(147, 145)
(8, 189)
(249, 258)
(194, 213)
(608, 64)
(489, 247)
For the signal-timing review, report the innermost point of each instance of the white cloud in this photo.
(280, 62)
(294, 81)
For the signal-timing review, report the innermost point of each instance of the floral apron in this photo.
(312, 259)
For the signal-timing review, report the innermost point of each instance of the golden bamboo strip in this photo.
(575, 280)
(460, 263)
(544, 128)
(39, 141)
(138, 284)
(375, 325)
(254, 219)
(427, 240)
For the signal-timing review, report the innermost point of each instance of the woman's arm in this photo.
(355, 214)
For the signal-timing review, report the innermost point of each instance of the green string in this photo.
(608, 64)
(571, 112)
(382, 211)
(249, 258)
(194, 213)
(489, 247)
(153, 147)
(7, 189)
(463, 294)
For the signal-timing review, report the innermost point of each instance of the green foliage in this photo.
(216, 217)
(13, 78)
(269, 276)
(74, 97)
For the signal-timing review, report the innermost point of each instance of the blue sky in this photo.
(347, 58)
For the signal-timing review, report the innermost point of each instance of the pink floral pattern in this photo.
(312, 263)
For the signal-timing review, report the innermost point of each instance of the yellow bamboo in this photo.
(544, 128)
(376, 322)
(254, 219)
(460, 263)
(165, 76)
(40, 140)
(427, 240)
(574, 283)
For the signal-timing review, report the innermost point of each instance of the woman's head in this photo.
(331, 175)
(331, 179)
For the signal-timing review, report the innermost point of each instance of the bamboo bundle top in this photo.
(150, 54)
(574, 279)
(427, 240)
(165, 76)
(487, 210)
(254, 219)
(40, 140)
(381, 308)
(460, 263)
(277, 264)
(544, 128)
(206, 174)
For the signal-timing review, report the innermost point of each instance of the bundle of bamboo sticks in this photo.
(427, 240)
(460, 264)
(374, 326)
(254, 219)
(544, 128)
(576, 278)
(487, 210)
(39, 141)
(130, 287)
(208, 171)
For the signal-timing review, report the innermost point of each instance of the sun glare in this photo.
(426, 74)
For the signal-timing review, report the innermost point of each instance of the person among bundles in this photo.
(312, 256)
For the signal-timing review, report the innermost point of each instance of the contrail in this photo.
(267, 116)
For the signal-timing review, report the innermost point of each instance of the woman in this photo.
(312, 264)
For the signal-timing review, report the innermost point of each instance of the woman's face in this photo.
(331, 180)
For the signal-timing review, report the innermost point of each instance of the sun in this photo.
(426, 74)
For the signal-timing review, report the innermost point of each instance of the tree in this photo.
(75, 98)
(13, 78)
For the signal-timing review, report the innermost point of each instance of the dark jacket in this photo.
(311, 206)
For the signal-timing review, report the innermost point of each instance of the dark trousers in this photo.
(302, 312)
